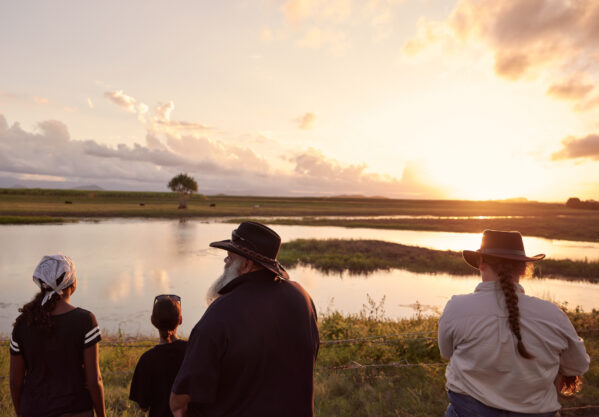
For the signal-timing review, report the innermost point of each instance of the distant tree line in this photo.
(576, 203)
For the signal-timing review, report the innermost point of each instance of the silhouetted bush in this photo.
(576, 203)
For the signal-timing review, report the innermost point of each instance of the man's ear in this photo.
(249, 266)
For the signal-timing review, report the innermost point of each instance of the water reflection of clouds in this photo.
(164, 256)
(119, 287)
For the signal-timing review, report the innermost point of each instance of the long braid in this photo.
(507, 272)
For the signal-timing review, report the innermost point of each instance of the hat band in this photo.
(490, 251)
(254, 254)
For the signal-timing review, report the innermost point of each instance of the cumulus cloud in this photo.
(572, 89)
(312, 167)
(162, 120)
(555, 39)
(306, 121)
(121, 99)
(163, 111)
(572, 148)
(127, 103)
(220, 167)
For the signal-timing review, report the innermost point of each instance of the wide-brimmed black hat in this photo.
(257, 242)
(498, 244)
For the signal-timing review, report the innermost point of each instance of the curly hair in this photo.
(508, 270)
(37, 315)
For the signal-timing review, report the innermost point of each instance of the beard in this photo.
(231, 271)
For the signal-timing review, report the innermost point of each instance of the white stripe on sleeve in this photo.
(92, 337)
(14, 346)
(91, 331)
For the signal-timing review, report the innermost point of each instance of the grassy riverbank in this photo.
(584, 226)
(364, 256)
(32, 220)
(407, 378)
(549, 220)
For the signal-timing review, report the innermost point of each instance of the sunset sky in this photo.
(399, 98)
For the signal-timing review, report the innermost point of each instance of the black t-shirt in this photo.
(253, 351)
(54, 374)
(154, 375)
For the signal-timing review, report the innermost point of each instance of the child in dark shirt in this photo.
(158, 367)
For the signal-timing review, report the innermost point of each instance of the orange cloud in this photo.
(555, 39)
(306, 121)
(572, 89)
(122, 100)
(572, 148)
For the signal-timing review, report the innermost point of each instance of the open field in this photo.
(364, 256)
(549, 220)
(45, 202)
(406, 377)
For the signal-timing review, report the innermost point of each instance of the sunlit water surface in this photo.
(123, 264)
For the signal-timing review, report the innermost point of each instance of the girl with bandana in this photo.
(54, 369)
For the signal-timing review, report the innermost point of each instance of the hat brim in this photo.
(273, 266)
(472, 258)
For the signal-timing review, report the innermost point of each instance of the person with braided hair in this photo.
(54, 369)
(508, 352)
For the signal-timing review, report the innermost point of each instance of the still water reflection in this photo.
(123, 264)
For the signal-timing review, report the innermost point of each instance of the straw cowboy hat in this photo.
(257, 242)
(498, 244)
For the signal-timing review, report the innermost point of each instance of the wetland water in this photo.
(123, 264)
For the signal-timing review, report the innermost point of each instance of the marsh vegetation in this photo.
(366, 256)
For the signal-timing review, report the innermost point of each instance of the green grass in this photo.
(33, 220)
(341, 387)
(365, 256)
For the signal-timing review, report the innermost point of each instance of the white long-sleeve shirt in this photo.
(474, 334)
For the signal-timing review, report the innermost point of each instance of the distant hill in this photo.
(357, 196)
(91, 187)
(515, 200)
(18, 186)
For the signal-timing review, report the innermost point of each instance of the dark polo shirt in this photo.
(253, 351)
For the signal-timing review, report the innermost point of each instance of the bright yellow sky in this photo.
(407, 99)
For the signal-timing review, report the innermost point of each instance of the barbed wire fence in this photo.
(387, 339)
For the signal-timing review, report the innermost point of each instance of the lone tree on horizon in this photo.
(185, 186)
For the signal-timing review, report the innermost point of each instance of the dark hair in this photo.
(508, 270)
(166, 314)
(37, 315)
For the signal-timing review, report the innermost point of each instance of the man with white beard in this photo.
(232, 270)
(253, 351)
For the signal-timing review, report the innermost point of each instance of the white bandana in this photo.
(50, 269)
